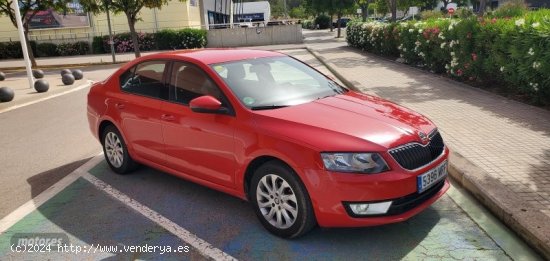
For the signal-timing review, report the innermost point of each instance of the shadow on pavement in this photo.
(46, 179)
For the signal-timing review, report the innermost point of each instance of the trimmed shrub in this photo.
(46, 50)
(164, 40)
(12, 50)
(323, 21)
(76, 48)
(187, 38)
(97, 45)
(485, 51)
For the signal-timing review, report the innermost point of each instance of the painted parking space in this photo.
(90, 217)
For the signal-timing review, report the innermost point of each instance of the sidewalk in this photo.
(501, 147)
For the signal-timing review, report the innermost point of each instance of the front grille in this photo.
(416, 155)
(404, 204)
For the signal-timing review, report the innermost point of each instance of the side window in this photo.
(189, 82)
(145, 79)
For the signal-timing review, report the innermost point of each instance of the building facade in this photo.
(53, 27)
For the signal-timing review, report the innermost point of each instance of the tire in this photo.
(116, 151)
(288, 214)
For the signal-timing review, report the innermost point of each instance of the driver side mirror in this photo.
(206, 104)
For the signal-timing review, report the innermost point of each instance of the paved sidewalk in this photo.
(508, 141)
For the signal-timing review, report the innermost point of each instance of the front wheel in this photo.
(116, 151)
(280, 201)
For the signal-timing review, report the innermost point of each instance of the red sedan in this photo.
(268, 128)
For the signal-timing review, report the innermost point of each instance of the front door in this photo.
(198, 144)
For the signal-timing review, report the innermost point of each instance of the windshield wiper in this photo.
(267, 107)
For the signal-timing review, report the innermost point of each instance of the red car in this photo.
(268, 128)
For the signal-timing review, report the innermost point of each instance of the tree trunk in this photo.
(392, 4)
(131, 24)
(364, 12)
(29, 48)
(330, 23)
(338, 24)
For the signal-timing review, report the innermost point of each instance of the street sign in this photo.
(451, 10)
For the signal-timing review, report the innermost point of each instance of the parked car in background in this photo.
(245, 22)
(343, 22)
(267, 128)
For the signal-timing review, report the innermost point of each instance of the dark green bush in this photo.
(323, 21)
(180, 39)
(164, 40)
(97, 45)
(12, 50)
(46, 50)
(76, 48)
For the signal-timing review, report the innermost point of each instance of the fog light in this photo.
(370, 209)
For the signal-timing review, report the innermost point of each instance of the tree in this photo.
(298, 12)
(392, 6)
(130, 8)
(28, 9)
(364, 5)
(332, 7)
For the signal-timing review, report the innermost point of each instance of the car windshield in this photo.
(275, 82)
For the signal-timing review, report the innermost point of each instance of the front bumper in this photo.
(331, 192)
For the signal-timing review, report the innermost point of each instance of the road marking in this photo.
(47, 194)
(48, 97)
(203, 247)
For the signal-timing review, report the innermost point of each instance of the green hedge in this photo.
(164, 40)
(180, 39)
(510, 52)
(12, 50)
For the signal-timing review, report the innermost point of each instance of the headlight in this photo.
(354, 162)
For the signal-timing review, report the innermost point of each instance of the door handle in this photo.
(119, 106)
(167, 117)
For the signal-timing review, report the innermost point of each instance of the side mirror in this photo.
(206, 104)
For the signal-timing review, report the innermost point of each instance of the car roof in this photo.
(217, 55)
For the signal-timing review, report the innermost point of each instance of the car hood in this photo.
(351, 121)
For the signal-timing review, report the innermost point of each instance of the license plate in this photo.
(431, 177)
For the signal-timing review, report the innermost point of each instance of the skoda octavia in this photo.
(267, 128)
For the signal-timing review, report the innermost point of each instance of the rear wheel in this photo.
(281, 201)
(116, 151)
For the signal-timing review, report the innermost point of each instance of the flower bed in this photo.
(510, 52)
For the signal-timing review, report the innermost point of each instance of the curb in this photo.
(331, 67)
(528, 222)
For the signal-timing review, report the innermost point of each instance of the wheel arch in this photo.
(259, 161)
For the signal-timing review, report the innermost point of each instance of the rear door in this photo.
(142, 90)
(198, 144)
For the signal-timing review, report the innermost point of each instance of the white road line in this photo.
(47, 194)
(48, 97)
(202, 246)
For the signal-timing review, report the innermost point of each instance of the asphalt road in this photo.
(43, 142)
